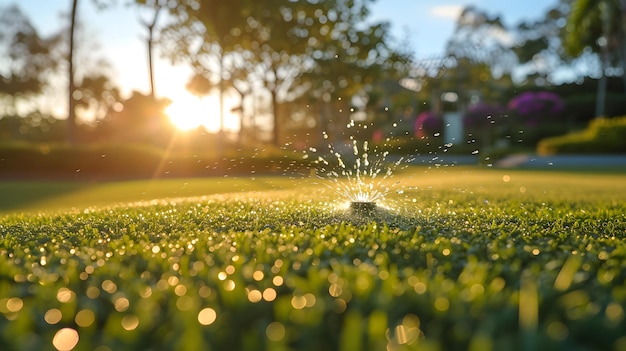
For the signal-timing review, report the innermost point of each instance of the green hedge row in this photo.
(122, 161)
(602, 135)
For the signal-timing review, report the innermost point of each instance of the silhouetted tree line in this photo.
(314, 64)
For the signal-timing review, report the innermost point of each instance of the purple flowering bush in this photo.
(482, 114)
(427, 124)
(534, 107)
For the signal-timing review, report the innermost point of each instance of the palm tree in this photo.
(601, 26)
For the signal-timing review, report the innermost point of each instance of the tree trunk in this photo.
(150, 27)
(71, 116)
(221, 73)
(275, 113)
(604, 56)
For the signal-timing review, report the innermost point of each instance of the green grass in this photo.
(461, 258)
(32, 196)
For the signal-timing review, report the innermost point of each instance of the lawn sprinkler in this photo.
(362, 207)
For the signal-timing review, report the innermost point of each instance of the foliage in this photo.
(580, 108)
(299, 48)
(73, 102)
(427, 124)
(599, 26)
(589, 20)
(482, 38)
(188, 155)
(538, 44)
(140, 119)
(603, 135)
(483, 114)
(98, 94)
(537, 107)
(33, 127)
(462, 267)
(471, 79)
(27, 58)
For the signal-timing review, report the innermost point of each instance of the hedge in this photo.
(123, 161)
(602, 135)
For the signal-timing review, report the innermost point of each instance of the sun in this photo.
(188, 112)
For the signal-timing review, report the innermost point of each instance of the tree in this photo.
(203, 33)
(71, 113)
(539, 45)
(483, 38)
(98, 94)
(325, 49)
(242, 81)
(27, 58)
(599, 25)
(278, 41)
(71, 116)
(468, 79)
(140, 120)
(350, 62)
(157, 7)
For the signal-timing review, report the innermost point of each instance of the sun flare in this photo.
(189, 112)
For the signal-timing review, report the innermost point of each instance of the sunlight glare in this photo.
(189, 112)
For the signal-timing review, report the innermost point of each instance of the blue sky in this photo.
(428, 25)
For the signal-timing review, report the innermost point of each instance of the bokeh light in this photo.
(207, 316)
(65, 339)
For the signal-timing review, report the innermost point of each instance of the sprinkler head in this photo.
(362, 207)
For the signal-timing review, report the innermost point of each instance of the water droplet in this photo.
(84, 318)
(275, 331)
(65, 339)
(207, 316)
(53, 316)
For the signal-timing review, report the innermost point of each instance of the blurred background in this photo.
(155, 88)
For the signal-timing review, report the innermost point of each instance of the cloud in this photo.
(447, 11)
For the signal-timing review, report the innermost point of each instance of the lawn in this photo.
(453, 259)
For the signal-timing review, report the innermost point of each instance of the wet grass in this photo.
(456, 259)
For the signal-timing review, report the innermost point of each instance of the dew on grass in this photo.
(255, 296)
(14, 304)
(109, 286)
(275, 331)
(269, 294)
(53, 316)
(84, 318)
(65, 339)
(65, 295)
(130, 322)
(121, 304)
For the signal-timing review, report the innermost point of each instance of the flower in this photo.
(482, 113)
(427, 123)
(533, 106)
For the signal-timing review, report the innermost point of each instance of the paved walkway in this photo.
(525, 161)
(562, 161)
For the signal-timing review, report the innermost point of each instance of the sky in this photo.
(427, 25)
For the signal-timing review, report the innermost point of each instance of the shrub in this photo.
(536, 107)
(603, 135)
(122, 160)
(427, 124)
(582, 107)
(482, 114)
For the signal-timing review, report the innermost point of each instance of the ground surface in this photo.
(455, 258)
